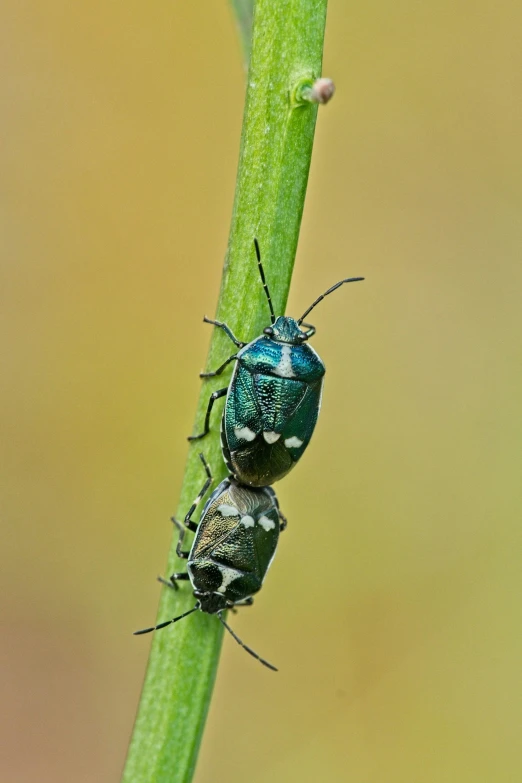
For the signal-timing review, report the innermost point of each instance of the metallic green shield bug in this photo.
(274, 396)
(233, 548)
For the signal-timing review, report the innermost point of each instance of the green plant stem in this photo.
(244, 13)
(276, 147)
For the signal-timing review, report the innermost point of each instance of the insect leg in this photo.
(187, 523)
(283, 523)
(182, 530)
(208, 481)
(213, 397)
(310, 331)
(174, 579)
(245, 602)
(228, 331)
(219, 369)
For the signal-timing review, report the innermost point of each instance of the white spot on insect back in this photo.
(228, 511)
(228, 574)
(266, 523)
(284, 368)
(243, 433)
(247, 521)
(293, 442)
(271, 437)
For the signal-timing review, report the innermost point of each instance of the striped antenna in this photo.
(168, 622)
(262, 273)
(244, 646)
(330, 291)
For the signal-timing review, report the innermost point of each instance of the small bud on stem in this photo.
(320, 91)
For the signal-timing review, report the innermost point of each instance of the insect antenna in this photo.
(262, 273)
(330, 291)
(245, 647)
(168, 622)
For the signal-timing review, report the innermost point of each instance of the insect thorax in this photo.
(286, 330)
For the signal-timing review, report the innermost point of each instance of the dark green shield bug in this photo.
(273, 398)
(233, 548)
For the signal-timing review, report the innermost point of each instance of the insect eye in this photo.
(268, 330)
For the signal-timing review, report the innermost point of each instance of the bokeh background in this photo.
(393, 607)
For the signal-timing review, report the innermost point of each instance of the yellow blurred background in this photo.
(393, 606)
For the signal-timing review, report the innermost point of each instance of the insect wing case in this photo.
(235, 541)
(271, 410)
